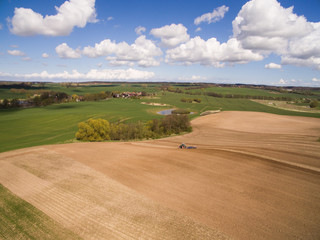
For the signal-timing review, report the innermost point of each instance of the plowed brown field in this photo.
(252, 176)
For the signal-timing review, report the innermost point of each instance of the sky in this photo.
(218, 41)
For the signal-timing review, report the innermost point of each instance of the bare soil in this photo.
(252, 176)
(154, 104)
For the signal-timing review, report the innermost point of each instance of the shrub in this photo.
(314, 104)
(95, 96)
(180, 111)
(175, 124)
(5, 103)
(94, 130)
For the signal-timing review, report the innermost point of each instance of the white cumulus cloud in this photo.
(272, 66)
(64, 51)
(282, 81)
(211, 52)
(212, 17)
(171, 35)
(313, 62)
(193, 78)
(143, 52)
(93, 74)
(72, 13)
(139, 30)
(45, 55)
(316, 80)
(16, 53)
(103, 48)
(265, 26)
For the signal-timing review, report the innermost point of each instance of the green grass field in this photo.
(20, 220)
(79, 90)
(224, 104)
(20, 128)
(58, 123)
(255, 92)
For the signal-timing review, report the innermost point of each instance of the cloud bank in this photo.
(257, 33)
(93, 74)
(279, 31)
(143, 52)
(211, 52)
(73, 13)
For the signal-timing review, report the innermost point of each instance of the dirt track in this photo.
(253, 176)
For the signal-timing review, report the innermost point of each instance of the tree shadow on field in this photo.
(22, 86)
(10, 110)
(106, 86)
(61, 106)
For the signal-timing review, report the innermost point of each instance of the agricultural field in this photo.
(156, 120)
(57, 191)
(247, 153)
(252, 175)
(47, 174)
(258, 92)
(20, 220)
(57, 123)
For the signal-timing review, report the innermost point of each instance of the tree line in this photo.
(44, 98)
(278, 98)
(95, 130)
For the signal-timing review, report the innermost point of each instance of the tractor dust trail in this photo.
(252, 176)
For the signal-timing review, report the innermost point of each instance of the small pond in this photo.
(168, 112)
(165, 112)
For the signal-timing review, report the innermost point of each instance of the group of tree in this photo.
(180, 111)
(22, 85)
(278, 98)
(47, 98)
(191, 100)
(95, 130)
(44, 99)
(97, 96)
(13, 103)
(171, 89)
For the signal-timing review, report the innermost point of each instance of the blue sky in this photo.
(256, 42)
